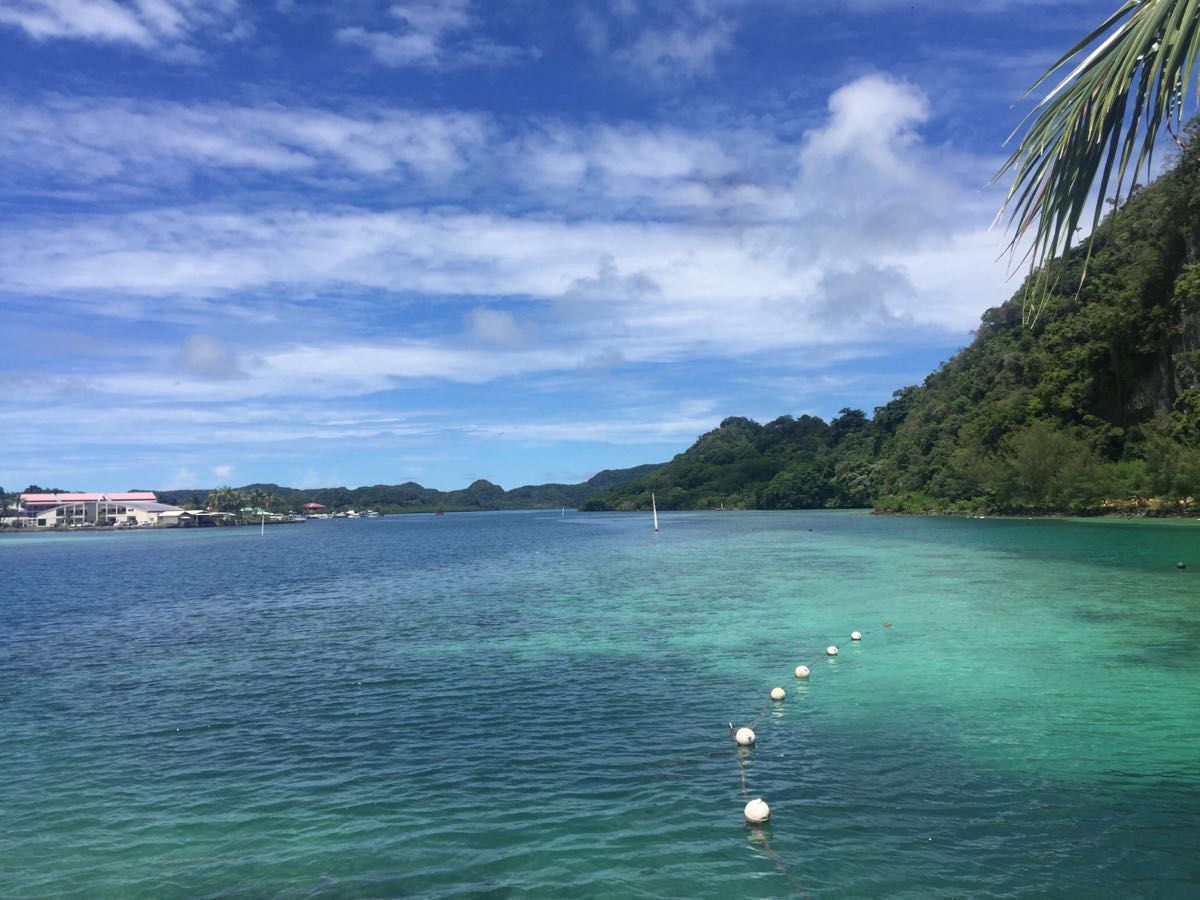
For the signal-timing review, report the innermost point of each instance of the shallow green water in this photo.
(521, 704)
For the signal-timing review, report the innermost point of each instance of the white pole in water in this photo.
(654, 509)
(262, 525)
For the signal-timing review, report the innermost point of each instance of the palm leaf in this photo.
(1096, 129)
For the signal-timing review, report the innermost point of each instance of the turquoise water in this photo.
(519, 704)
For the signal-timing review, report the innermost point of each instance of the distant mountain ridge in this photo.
(413, 497)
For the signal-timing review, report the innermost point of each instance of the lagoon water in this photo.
(522, 704)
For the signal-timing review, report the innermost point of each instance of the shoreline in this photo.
(75, 529)
(1104, 514)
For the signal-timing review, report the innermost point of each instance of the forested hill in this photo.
(412, 497)
(1088, 401)
(786, 464)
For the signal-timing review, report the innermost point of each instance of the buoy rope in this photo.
(764, 839)
(743, 754)
(762, 712)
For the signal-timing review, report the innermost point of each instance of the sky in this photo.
(360, 242)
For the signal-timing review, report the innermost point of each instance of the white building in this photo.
(34, 504)
(105, 511)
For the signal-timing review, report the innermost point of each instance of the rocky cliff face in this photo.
(1185, 354)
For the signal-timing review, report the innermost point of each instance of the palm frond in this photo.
(1097, 127)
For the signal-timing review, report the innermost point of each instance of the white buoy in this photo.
(831, 650)
(778, 693)
(745, 736)
(856, 635)
(801, 671)
(757, 811)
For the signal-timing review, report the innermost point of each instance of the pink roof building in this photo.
(314, 505)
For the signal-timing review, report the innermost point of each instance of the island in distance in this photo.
(411, 497)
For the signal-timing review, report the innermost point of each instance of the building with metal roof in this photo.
(35, 503)
(108, 512)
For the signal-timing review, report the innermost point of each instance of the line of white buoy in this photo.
(756, 811)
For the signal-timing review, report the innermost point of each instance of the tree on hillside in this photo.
(259, 499)
(225, 499)
(1097, 128)
(848, 421)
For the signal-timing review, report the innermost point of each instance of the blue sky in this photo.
(371, 242)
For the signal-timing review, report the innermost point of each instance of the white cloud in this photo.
(862, 293)
(205, 357)
(679, 41)
(116, 145)
(431, 33)
(161, 143)
(223, 471)
(243, 424)
(666, 52)
(871, 120)
(867, 180)
(147, 24)
(861, 228)
(608, 285)
(659, 154)
(497, 328)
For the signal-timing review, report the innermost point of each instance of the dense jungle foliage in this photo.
(786, 464)
(1076, 399)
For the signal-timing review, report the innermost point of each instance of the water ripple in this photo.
(505, 706)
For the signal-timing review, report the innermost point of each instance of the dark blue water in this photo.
(521, 704)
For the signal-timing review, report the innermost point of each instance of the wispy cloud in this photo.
(159, 143)
(725, 172)
(495, 327)
(657, 41)
(858, 206)
(432, 34)
(205, 357)
(147, 147)
(155, 25)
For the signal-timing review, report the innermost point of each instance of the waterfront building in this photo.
(106, 511)
(33, 504)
